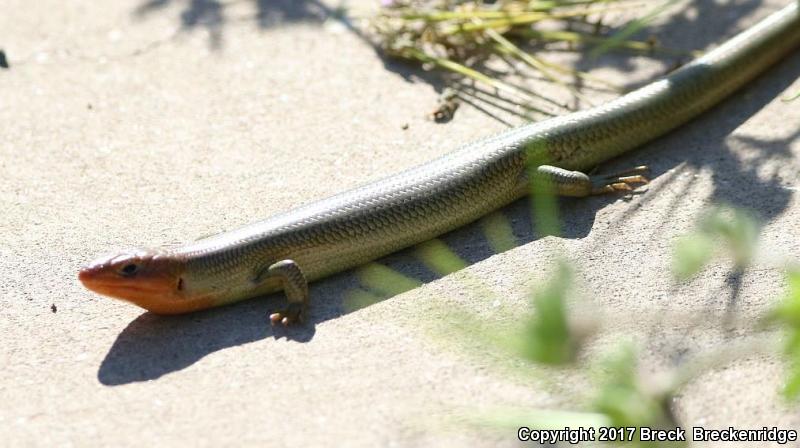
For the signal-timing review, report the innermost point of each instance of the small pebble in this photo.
(53, 308)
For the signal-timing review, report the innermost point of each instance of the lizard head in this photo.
(149, 278)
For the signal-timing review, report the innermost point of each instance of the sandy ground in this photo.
(133, 125)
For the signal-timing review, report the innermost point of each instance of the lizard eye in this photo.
(129, 270)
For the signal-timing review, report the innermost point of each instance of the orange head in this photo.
(149, 278)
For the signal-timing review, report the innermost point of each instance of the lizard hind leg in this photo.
(565, 182)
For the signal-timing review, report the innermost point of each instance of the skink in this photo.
(291, 249)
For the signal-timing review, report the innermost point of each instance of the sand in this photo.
(126, 125)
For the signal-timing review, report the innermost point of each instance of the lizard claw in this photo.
(287, 316)
(623, 181)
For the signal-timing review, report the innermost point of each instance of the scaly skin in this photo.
(416, 205)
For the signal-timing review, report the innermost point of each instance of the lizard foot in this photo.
(622, 181)
(293, 313)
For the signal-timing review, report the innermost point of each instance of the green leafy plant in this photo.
(620, 396)
(548, 337)
(626, 400)
(787, 313)
(735, 228)
(792, 98)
